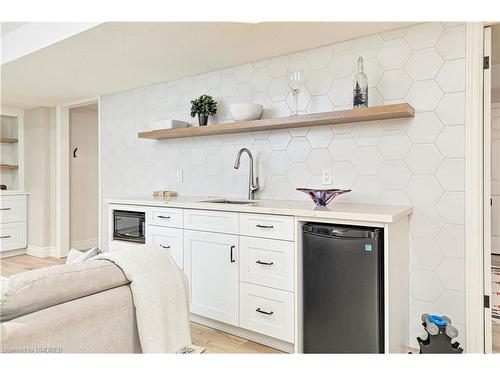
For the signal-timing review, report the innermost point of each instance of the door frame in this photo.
(487, 192)
(477, 193)
(62, 201)
(474, 189)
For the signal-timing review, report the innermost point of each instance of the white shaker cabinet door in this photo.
(211, 264)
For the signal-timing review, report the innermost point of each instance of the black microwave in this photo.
(129, 226)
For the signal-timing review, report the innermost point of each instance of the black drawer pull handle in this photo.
(231, 258)
(264, 312)
(265, 226)
(165, 247)
(163, 217)
(4, 237)
(264, 263)
(5, 209)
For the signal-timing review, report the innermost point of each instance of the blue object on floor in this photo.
(437, 320)
(440, 332)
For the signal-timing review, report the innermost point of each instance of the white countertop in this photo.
(335, 210)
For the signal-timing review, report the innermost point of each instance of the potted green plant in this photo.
(204, 106)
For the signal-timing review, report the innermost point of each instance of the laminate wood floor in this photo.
(213, 340)
(21, 263)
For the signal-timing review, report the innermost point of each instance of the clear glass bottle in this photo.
(360, 90)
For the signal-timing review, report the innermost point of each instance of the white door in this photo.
(211, 264)
(487, 191)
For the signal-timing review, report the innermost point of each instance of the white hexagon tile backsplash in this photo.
(417, 161)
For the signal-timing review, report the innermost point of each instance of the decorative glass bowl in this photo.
(323, 196)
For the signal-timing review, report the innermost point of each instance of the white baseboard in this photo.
(246, 334)
(85, 244)
(12, 253)
(39, 251)
(50, 251)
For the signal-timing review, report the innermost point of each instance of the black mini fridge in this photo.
(343, 291)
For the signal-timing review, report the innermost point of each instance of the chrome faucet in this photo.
(252, 187)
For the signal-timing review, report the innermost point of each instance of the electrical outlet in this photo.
(179, 175)
(326, 176)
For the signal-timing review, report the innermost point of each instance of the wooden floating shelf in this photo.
(383, 112)
(9, 166)
(8, 140)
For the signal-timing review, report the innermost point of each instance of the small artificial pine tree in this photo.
(358, 99)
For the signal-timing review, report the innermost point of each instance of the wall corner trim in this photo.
(474, 314)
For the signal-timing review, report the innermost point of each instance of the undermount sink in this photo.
(229, 201)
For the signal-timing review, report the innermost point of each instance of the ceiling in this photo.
(7, 27)
(116, 56)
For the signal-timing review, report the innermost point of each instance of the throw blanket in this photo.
(161, 298)
(3, 284)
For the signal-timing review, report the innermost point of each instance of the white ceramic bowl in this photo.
(245, 111)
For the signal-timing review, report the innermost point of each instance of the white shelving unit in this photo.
(11, 149)
(13, 201)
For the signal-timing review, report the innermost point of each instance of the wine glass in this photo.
(295, 77)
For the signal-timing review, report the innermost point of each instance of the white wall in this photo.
(39, 141)
(418, 162)
(83, 171)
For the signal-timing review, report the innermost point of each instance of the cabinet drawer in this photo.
(211, 221)
(117, 245)
(267, 262)
(268, 226)
(170, 239)
(165, 217)
(12, 209)
(12, 236)
(267, 311)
